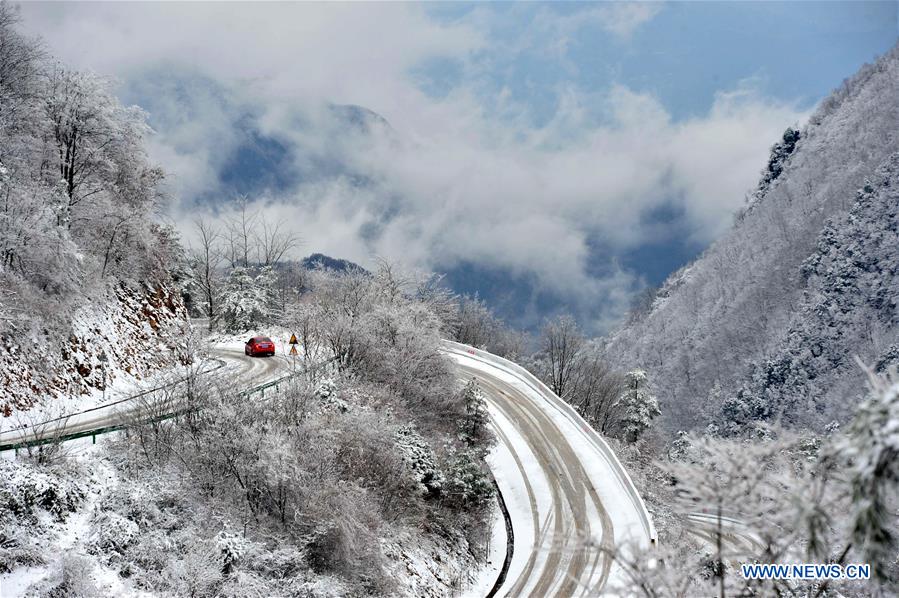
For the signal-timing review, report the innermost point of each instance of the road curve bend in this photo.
(246, 372)
(570, 499)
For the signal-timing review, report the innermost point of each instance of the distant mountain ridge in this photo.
(766, 324)
(320, 261)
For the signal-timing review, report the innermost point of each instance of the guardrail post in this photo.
(93, 439)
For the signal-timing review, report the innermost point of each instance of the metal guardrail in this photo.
(51, 438)
(219, 365)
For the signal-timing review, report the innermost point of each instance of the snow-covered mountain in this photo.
(767, 323)
(320, 261)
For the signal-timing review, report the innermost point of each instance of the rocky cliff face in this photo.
(130, 332)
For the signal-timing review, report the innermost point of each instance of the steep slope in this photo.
(721, 329)
(126, 332)
(86, 269)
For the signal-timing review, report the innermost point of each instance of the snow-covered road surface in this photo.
(570, 499)
(248, 372)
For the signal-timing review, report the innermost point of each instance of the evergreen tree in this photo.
(639, 407)
(419, 459)
(474, 425)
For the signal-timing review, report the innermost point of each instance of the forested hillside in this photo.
(84, 265)
(766, 324)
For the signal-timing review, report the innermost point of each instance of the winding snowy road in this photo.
(247, 371)
(570, 499)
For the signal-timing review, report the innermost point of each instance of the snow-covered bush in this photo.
(26, 489)
(197, 572)
(326, 387)
(19, 546)
(419, 458)
(110, 532)
(330, 401)
(232, 546)
(467, 480)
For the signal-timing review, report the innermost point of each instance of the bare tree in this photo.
(273, 241)
(596, 387)
(205, 261)
(240, 233)
(561, 340)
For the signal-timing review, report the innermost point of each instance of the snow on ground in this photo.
(69, 539)
(485, 578)
(607, 477)
(120, 385)
(432, 566)
(521, 479)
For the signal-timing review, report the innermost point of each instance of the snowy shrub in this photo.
(247, 584)
(196, 572)
(25, 488)
(467, 481)
(327, 393)
(70, 577)
(681, 448)
(346, 543)
(419, 458)
(19, 546)
(317, 586)
(326, 388)
(231, 546)
(111, 533)
(275, 563)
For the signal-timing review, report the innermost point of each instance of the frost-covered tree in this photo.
(474, 426)
(638, 406)
(871, 450)
(247, 300)
(596, 388)
(782, 497)
(205, 269)
(419, 458)
(79, 236)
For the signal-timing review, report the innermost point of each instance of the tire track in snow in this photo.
(571, 559)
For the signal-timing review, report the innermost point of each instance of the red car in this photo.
(259, 345)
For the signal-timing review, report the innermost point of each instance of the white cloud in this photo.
(623, 18)
(455, 181)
